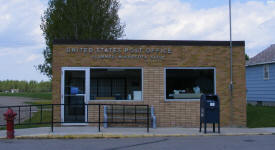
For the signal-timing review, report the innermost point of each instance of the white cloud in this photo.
(20, 22)
(271, 1)
(4, 18)
(21, 40)
(30, 59)
(33, 57)
(175, 20)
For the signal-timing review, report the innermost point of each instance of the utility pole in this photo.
(231, 70)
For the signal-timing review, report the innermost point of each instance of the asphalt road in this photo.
(262, 142)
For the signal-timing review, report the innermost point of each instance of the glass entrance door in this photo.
(74, 96)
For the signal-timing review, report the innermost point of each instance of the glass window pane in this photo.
(189, 83)
(74, 82)
(115, 84)
(74, 108)
(266, 72)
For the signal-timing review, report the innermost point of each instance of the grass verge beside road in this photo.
(39, 102)
(36, 118)
(260, 116)
(38, 95)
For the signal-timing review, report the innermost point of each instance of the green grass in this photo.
(39, 95)
(46, 117)
(260, 116)
(39, 102)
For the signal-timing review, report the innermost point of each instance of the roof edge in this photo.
(262, 63)
(150, 42)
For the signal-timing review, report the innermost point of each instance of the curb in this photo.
(107, 135)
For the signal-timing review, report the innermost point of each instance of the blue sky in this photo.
(22, 43)
(204, 4)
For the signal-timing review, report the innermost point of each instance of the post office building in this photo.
(169, 76)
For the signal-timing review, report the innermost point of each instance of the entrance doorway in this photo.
(74, 96)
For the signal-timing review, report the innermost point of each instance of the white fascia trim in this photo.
(262, 63)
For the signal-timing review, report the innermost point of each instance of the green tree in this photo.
(25, 86)
(78, 20)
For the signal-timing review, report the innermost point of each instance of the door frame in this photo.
(86, 95)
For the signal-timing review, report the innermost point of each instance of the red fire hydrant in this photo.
(10, 116)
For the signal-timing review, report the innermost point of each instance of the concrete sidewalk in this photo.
(92, 132)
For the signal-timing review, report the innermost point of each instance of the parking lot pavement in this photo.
(14, 101)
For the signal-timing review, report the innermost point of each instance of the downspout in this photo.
(231, 70)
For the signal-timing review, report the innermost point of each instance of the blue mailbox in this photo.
(209, 111)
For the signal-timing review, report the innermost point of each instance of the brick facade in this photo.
(168, 113)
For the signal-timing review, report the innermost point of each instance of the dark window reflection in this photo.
(115, 84)
(74, 110)
(189, 83)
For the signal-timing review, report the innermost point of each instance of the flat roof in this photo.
(150, 42)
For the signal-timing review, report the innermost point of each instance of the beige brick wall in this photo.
(170, 113)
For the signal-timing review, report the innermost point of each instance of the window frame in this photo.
(182, 68)
(140, 68)
(267, 70)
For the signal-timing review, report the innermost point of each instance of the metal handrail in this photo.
(51, 107)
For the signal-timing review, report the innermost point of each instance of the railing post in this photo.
(87, 111)
(219, 131)
(214, 128)
(135, 114)
(98, 117)
(19, 115)
(112, 112)
(123, 113)
(30, 115)
(40, 113)
(147, 118)
(52, 119)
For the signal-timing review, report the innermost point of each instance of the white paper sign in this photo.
(212, 104)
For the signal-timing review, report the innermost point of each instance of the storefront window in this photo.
(189, 83)
(115, 84)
